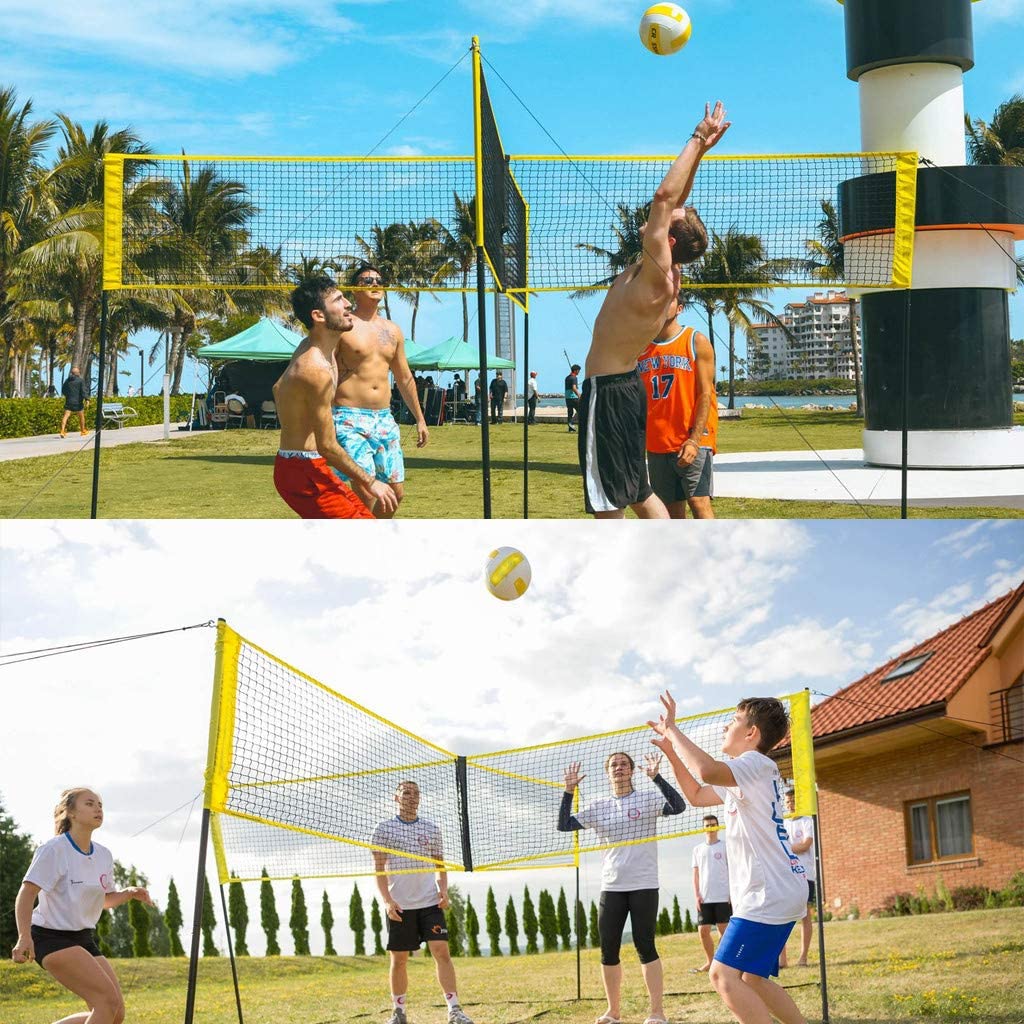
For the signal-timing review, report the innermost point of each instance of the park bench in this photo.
(117, 412)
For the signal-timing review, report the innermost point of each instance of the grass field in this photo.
(949, 968)
(227, 474)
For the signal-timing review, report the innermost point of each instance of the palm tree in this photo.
(1000, 141)
(737, 265)
(22, 179)
(629, 248)
(387, 250)
(458, 251)
(424, 264)
(826, 264)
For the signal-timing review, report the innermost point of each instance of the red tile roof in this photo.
(956, 652)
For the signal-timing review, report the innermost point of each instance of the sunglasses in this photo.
(369, 280)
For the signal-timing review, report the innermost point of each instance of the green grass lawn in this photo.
(954, 968)
(227, 474)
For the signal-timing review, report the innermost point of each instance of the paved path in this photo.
(839, 475)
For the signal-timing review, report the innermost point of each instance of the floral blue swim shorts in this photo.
(372, 440)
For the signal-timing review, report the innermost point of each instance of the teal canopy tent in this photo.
(454, 354)
(265, 341)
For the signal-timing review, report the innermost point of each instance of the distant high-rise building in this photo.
(817, 344)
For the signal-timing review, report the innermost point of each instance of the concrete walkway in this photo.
(839, 475)
(54, 444)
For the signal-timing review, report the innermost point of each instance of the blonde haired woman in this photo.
(74, 880)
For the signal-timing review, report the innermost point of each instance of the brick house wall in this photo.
(861, 812)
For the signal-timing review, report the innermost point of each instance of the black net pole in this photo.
(197, 919)
(99, 408)
(231, 953)
(576, 914)
(905, 427)
(485, 436)
(526, 438)
(819, 901)
(463, 788)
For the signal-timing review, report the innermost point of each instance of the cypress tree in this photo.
(664, 926)
(208, 921)
(688, 923)
(327, 923)
(298, 922)
(512, 928)
(581, 924)
(138, 917)
(454, 934)
(103, 934)
(16, 849)
(677, 920)
(595, 933)
(376, 926)
(269, 921)
(357, 920)
(173, 919)
(547, 919)
(159, 937)
(564, 924)
(529, 922)
(493, 923)
(472, 929)
(238, 916)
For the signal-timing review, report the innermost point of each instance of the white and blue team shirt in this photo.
(799, 830)
(619, 819)
(74, 883)
(767, 882)
(423, 838)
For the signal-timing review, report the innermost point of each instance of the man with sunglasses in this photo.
(372, 349)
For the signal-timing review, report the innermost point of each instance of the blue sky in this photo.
(406, 628)
(303, 77)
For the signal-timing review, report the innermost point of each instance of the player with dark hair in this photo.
(629, 875)
(711, 888)
(303, 397)
(414, 902)
(73, 879)
(767, 882)
(613, 410)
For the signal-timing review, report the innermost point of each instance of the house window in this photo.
(939, 828)
(905, 668)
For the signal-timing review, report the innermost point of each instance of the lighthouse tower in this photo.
(908, 58)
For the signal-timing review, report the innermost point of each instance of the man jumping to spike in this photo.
(413, 901)
(613, 412)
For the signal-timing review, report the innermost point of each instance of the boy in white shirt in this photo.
(767, 882)
(801, 842)
(711, 888)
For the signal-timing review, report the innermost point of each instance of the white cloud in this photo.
(1007, 577)
(919, 620)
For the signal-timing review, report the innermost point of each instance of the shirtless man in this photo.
(613, 411)
(362, 401)
(303, 397)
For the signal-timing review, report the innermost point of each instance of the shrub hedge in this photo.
(30, 417)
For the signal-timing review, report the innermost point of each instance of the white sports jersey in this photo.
(798, 830)
(618, 820)
(712, 863)
(766, 879)
(422, 837)
(73, 884)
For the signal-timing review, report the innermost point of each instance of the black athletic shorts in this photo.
(51, 940)
(612, 442)
(70, 406)
(424, 925)
(812, 891)
(714, 913)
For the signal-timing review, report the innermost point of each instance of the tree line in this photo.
(196, 226)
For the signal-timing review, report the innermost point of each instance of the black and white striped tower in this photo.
(908, 58)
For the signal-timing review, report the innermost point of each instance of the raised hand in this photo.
(573, 777)
(652, 764)
(713, 125)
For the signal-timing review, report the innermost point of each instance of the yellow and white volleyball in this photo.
(507, 573)
(665, 29)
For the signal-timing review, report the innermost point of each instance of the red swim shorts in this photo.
(306, 483)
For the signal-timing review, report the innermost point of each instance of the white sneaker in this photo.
(397, 1016)
(456, 1015)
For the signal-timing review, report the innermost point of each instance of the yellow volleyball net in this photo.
(299, 777)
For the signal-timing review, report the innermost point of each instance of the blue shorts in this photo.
(753, 947)
(372, 441)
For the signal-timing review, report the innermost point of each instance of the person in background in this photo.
(531, 397)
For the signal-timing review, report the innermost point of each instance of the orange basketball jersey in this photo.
(669, 372)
